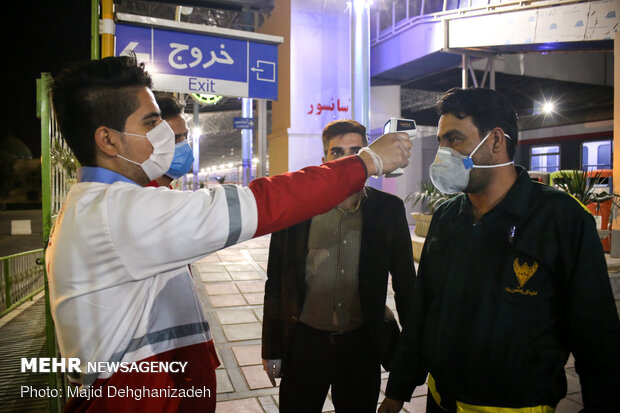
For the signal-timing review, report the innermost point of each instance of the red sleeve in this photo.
(286, 199)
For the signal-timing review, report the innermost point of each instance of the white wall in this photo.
(320, 75)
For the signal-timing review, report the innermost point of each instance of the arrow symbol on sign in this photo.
(129, 51)
(256, 69)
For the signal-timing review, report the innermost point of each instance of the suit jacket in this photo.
(385, 247)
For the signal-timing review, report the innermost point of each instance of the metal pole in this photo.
(464, 79)
(94, 30)
(360, 62)
(107, 36)
(246, 141)
(261, 169)
(492, 76)
(196, 146)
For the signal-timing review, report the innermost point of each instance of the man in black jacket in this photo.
(325, 295)
(512, 279)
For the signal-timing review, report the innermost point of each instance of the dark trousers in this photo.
(319, 360)
(431, 405)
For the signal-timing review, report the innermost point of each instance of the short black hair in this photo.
(168, 105)
(340, 127)
(488, 109)
(94, 93)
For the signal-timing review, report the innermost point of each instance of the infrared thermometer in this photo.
(399, 125)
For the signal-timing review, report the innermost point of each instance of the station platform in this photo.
(231, 285)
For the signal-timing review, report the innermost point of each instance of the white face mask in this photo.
(162, 140)
(451, 170)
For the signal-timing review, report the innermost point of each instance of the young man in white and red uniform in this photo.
(120, 289)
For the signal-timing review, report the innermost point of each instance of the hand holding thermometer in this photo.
(399, 125)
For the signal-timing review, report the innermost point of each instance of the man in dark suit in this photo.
(325, 295)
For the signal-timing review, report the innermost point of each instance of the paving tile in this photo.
(233, 256)
(227, 300)
(236, 267)
(219, 357)
(263, 265)
(257, 243)
(568, 406)
(572, 382)
(245, 331)
(259, 313)
(268, 404)
(251, 286)
(255, 298)
(248, 355)
(221, 288)
(420, 390)
(245, 275)
(328, 406)
(214, 276)
(234, 259)
(575, 397)
(210, 267)
(224, 384)
(615, 285)
(256, 377)
(416, 405)
(208, 259)
(383, 384)
(236, 316)
(250, 405)
(259, 256)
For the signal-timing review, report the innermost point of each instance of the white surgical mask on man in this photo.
(451, 170)
(162, 140)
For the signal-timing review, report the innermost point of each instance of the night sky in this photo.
(42, 36)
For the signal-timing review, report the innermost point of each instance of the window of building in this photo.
(545, 158)
(596, 155)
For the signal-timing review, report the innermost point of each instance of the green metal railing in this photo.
(58, 173)
(21, 278)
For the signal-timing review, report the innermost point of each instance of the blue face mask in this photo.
(182, 160)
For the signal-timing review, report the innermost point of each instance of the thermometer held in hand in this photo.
(399, 125)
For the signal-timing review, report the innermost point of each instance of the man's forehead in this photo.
(346, 139)
(453, 124)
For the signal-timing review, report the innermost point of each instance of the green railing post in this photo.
(94, 30)
(44, 111)
(7, 283)
(43, 106)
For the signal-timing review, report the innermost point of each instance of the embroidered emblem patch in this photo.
(523, 272)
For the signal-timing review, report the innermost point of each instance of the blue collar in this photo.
(101, 175)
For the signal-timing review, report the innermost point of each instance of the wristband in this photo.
(376, 159)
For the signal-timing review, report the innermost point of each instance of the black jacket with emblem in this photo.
(499, 305)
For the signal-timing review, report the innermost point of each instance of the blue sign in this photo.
(199, 63)
(243, 123)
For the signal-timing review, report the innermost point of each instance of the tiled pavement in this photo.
(231, 284)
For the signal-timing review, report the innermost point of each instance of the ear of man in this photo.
(107, 142)
(498, 141)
